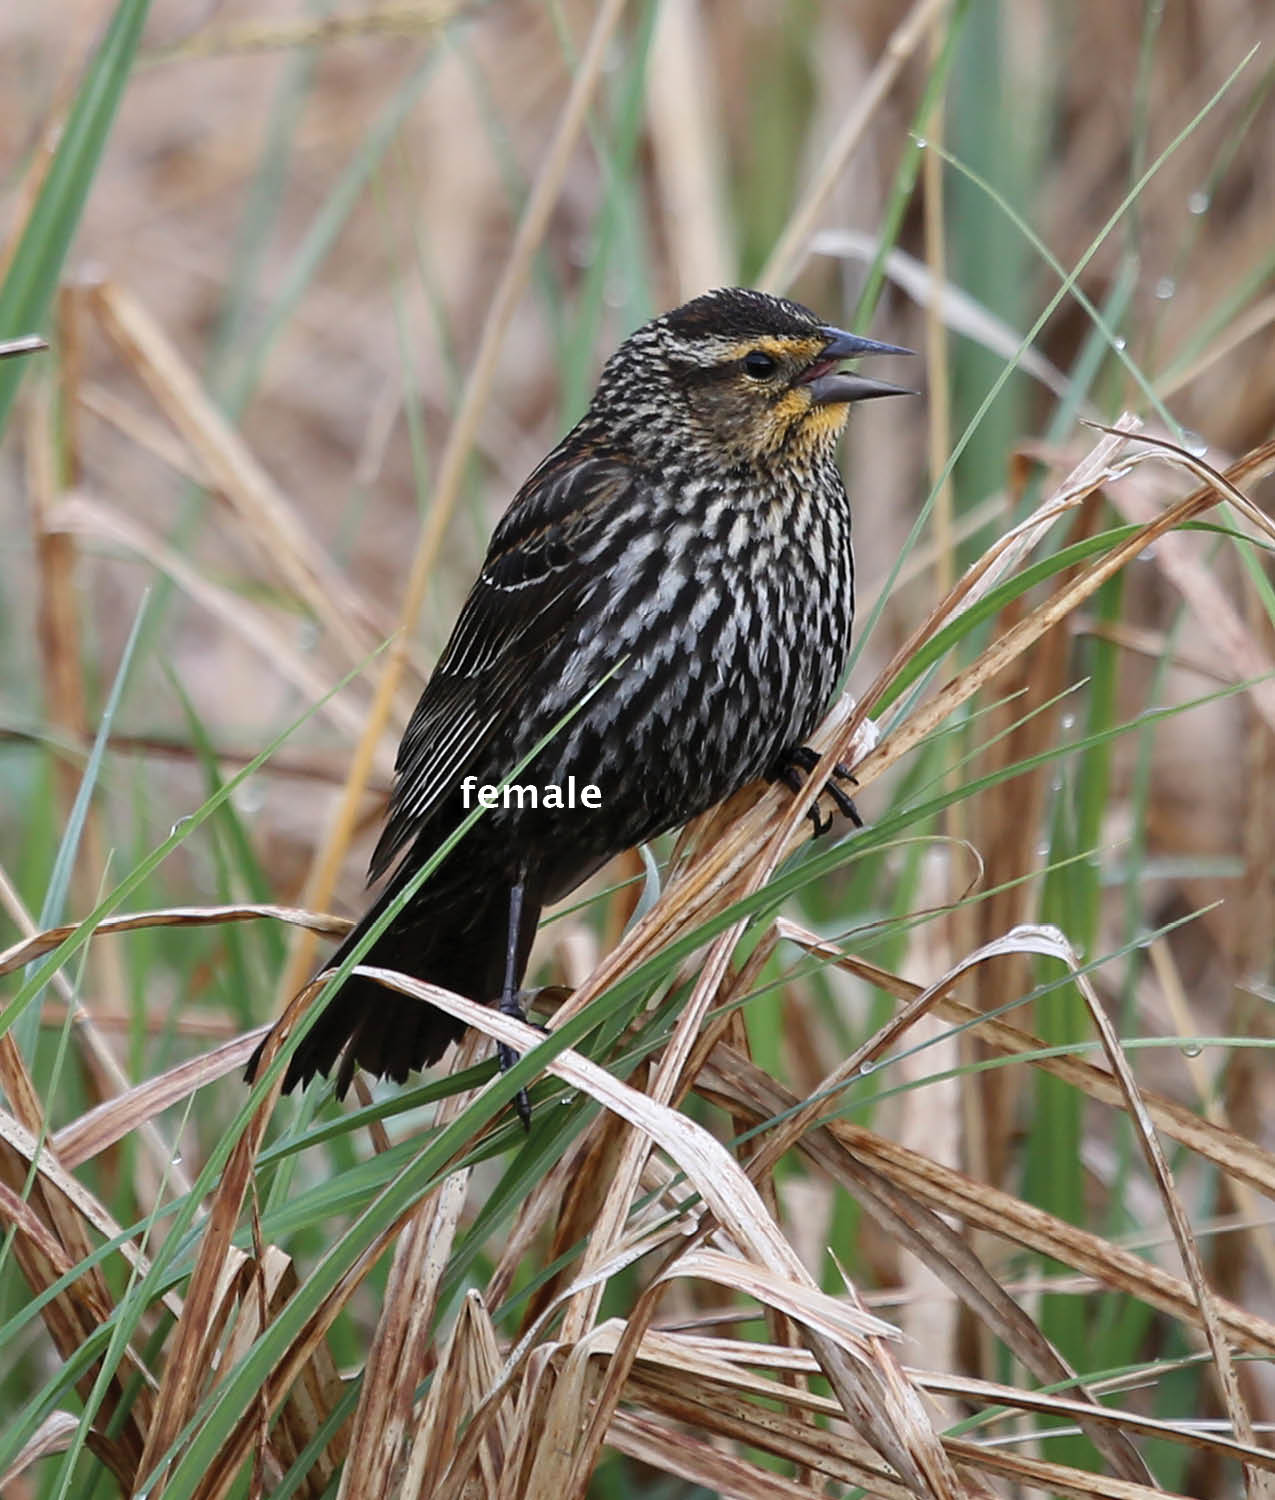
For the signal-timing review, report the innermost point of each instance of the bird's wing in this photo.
(528, 591)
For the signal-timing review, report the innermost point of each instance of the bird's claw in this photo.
(793, 769)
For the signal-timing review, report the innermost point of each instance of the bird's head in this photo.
(755, 378)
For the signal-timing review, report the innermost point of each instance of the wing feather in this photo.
(526, 596)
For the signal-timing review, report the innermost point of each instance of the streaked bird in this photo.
(684, 556)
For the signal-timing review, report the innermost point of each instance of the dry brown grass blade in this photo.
(28, 343)
(40, 943)
(144, 432)
(263, 1290)
(396, 1362)
(265, 517)
(26, 1144)
(54, 1435)
(59, 1186)
(668, 1448)
(531, 1354)
(467, 1368)
(528, 1419)
(521, 1427)
(307, 1354)
(662, 1089)
(292, 1366)
(1252, 320)
(1217, 621)
(1224, 483)
(1212, 1106)
(447, 488)
(101, 1127)
(713, 1407)
(742, 984)
(74, 1315)
(190, 1354)
(786, 257)
(57, 609)
(936, 1244)
(82, 515)
(1052, 943)
(671, 1080)
(19, 1214)
(1037, 1475)
(108, 1074)
(683, 119)
(835, 1318)
(1098, 467)
(414, 19)
(867, 1380)
(990, 1393)
(841, 1149)
(712, 1397)
(1023, 727)
(325, 768)
(733, 1365)
(1229, 1151)
(570, 1196)
(134, 1107)
(574, 1390)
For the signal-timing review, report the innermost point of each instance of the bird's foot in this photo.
(793, 768)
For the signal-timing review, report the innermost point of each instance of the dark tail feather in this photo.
(453, 939)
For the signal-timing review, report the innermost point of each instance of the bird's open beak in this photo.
(830, 386)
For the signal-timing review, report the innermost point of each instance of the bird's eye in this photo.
(760, 365)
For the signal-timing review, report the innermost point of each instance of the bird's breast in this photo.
(725, 624)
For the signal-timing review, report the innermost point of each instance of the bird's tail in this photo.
(452, 938)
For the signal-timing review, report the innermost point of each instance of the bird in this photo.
(667, 604)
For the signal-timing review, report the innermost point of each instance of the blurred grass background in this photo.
(313, 206)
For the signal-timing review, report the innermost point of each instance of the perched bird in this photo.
(691, 538)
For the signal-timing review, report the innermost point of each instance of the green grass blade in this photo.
(37, 262)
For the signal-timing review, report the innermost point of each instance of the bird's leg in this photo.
(796, 764)
(510, 1003)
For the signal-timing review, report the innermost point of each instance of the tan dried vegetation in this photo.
(787, 1108)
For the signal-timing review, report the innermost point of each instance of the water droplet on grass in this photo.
(250, 797)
